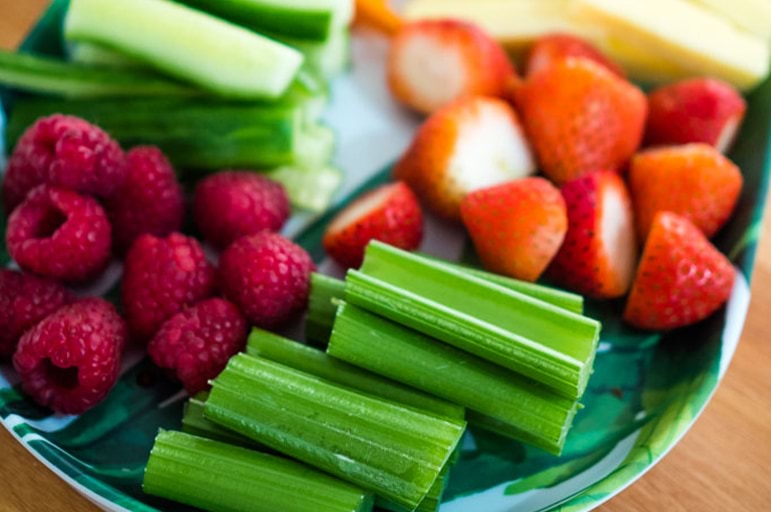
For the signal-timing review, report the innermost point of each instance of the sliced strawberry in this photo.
(516, 227)
(694, 181)
(695, 110)
(682, 278)
(434, 62)
(581, 117)
(553, 48)
(599, 253)
(472, 143)
(390, 214)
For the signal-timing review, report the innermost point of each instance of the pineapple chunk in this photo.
(751, 15)
(696, 40)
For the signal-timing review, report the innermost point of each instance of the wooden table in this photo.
(723, 464)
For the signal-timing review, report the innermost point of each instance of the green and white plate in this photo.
(647, 390)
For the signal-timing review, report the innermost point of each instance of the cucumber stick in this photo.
(215, 476)
(96, 55)
(45, 75)
(329, 58)
(312, 20)
(538, 340)
(308, 188)
(188, 44)
(315, 362)
(393, 451)
(542, 417)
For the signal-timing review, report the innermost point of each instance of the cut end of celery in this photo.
(309, 188)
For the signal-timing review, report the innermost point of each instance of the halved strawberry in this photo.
(434, 62)
(682, 278)
(473, 143)
(695, 110)
(553, 48)
(694, 181)
(516, 227)
(599, 253)
(390, 214)
(581, 117)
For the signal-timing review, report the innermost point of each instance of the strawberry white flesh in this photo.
(361, 208)
(617, 236)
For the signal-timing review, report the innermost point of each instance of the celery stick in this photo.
(45, 75)
(219, 477)
(406, 356)
(536, 339)
(195, 424)
(330, 57)
(431, 502)
(315, 362)
(321, 308)
(312, 20)
(96, 55)
(188, 44)
(394, 451)
(309, 188)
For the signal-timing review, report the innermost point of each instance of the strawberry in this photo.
(599, 253)
(553, 48)
(516, 227)
(694, 181)
(473, 143)
(434, 62)
(581, 117)
(695, 110)
(390, 214)
(682, 278)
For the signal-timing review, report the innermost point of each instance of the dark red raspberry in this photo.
(24, 301)
(231, 204)
(71, 359)
(161, 277)
(198, 342)
(150, 200)
(59, 234)
(64, 151)
(267, 277)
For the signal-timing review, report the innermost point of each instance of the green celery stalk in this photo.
(566, 300)
(534, 338)
(393, 451)
(394, 351)
(215, 476)
(431, 502)
(310, 189)
(188, 44)
(315, 362)
(96, 55)
(321, 308)
(194, 423)
(45, 75)
(329, 57)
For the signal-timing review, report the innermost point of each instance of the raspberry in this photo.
(161, 277)
(64, 151)
(150, 200)
(198, 342)
(231, 204)
(24, 301)
(71, 359)
(59, 234)
(267, 277)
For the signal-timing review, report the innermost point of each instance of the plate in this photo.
(647, 390)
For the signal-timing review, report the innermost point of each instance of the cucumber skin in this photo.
(191, 45)
(306, 24)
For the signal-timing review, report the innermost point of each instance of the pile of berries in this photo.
(75, 201)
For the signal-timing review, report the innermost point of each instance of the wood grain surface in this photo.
(723, 464)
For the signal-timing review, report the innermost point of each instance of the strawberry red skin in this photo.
(694, 181)
(516, 227)
(682, 278)
(552, 48)
(485, 66)
(580, 117)
(583, 263)
(695, 110)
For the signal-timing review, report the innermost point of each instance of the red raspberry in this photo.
(266, 276)
(231, 204)
(150, 200)
(59, 234)
(24, 301)
(71, 359)
(198, 342)
(64, 151)
(161, 277)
